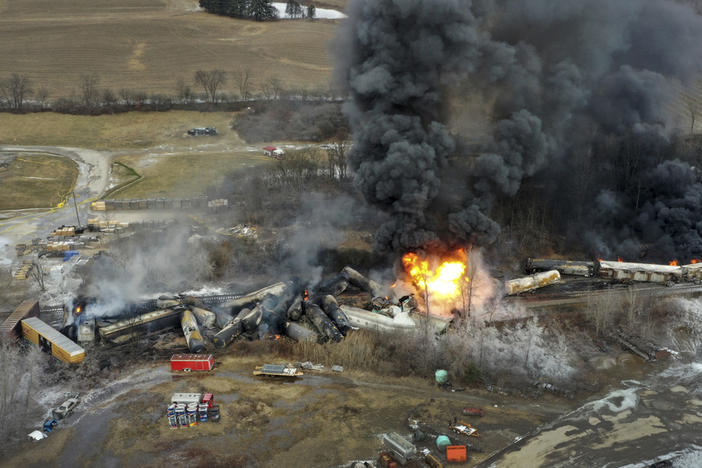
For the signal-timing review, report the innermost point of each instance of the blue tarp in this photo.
(67, 255)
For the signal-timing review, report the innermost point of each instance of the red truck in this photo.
(192, 362)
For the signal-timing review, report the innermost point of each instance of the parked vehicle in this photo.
(50, 424)
(66, 408)
(473, 412)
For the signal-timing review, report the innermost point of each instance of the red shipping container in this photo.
(191, 362)
(208, 399)
(456, 453)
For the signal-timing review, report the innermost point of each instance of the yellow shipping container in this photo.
(49, 339)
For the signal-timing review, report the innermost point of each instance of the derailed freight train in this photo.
(620, 271)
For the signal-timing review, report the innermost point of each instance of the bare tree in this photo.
(90, 94)
(37, 274)
(184, 92)
(242, 79)
(20, 374)
(293, 9)
(336, 154)
(692, 109)
(210, 81)
(271, 88)
(127, 96)
(311, 11)
(109, 98)
(43, 97)
(15, 90)
(140, 98)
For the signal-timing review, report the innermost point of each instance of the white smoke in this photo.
(146, 265)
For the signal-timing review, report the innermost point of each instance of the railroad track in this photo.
(51, 309)
(211, 299)
(538, 300)
(217, 298)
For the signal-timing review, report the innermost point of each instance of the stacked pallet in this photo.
(64, 231)
(22, 272)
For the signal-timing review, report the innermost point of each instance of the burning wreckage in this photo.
(331, 310)
(283, 308)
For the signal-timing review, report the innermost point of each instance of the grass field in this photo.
(183, 175)
(148, 44)
(36, 181)
(119, 131)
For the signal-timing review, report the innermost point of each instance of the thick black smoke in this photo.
(398, 55)
(570, 84)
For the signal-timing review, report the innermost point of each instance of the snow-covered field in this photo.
(320, 13)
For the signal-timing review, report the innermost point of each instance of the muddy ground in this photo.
(322, 419)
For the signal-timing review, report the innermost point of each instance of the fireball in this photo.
(444, 280)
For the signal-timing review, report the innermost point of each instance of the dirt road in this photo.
(93, 177)
(323, 419)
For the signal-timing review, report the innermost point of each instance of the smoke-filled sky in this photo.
(565, 81)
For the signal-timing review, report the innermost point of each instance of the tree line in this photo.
(258, 10)
(18, 94)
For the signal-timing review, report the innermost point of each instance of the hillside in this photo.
(148, 45)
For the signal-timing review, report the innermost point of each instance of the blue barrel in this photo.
(182, 417)
(192, 414)
(202, 410)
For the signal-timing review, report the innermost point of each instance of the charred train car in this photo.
(619, 271)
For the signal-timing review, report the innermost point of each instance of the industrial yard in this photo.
(397, 236)
(322, 419)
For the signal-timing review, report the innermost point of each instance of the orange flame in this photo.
(443, 281)
(695, 261)
(619, 259)
(78, 310)
(277, 337)
(673, 263)
(306, 296)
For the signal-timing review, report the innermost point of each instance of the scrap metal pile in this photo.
(284, 308)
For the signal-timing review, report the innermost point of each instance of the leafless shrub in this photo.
(602, 310)
(20, 374)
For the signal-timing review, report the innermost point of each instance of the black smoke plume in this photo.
(577, 95)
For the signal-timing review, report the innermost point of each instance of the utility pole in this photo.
(75, 205)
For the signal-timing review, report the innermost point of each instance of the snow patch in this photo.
(689, 375)
(617, 401)
(320, 13)
(688, 458)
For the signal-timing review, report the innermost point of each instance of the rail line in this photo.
(539, 300)
(210, 299)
